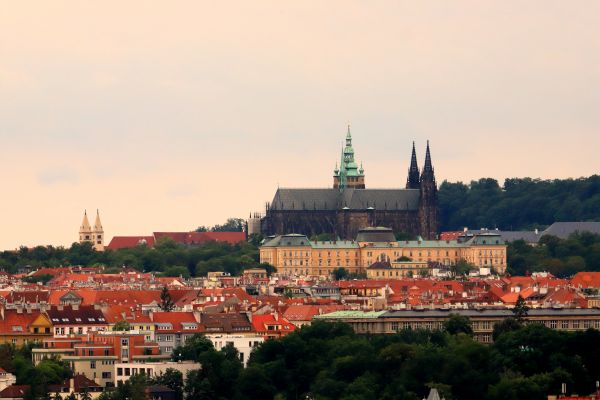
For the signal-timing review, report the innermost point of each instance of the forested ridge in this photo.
(520, 203)
(167, 258)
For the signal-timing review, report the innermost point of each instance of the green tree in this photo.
(121, 325)
(520, 310)
(166, 302)
(172, 379)
(176, 271)
(509, 324)
(340, 273)
(193, 348)
(458, 324)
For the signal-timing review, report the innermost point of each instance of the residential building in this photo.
(243, 343)
(482, 321)
(6, 379)
(96, 354)
(21, 326)
(76, 320)
(124, 371)
(77, 385)
(172, 329)
(272, 325)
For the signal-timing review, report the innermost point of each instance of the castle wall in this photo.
(345, 223)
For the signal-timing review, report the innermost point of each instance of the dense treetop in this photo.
(561, 257)
(167, 257)
(520, 203)
(329, 361)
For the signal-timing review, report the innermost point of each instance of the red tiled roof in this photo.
(17, 323)
(260, 323)
(586, 280)
(307, 312)
(122, 242)
(33, 297)
(176, 319)
(191, 238)
(14, 391)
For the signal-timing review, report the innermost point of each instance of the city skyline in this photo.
(198, 112)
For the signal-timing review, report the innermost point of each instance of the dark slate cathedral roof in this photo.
(351, 199)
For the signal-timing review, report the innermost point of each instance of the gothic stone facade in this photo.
(347, 208)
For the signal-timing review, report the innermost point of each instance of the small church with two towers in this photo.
(93, 235)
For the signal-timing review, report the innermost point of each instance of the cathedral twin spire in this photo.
(349, 175)
(414, 178)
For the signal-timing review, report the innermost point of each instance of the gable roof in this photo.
(194, 238)
(261, 323)
(564, 229)
(14, 391)
(586, 280)
(121, 242)
(81, 315)
(352, 199)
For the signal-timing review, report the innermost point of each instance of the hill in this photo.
(520, 203)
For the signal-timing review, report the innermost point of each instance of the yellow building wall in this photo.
(322, 261)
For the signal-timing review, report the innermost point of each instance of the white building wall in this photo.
(243, 344)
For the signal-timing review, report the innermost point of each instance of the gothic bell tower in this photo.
(428, 214)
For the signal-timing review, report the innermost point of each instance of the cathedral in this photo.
(349, 206)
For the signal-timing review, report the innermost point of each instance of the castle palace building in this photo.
(349, 206)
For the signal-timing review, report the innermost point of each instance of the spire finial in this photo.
(413, 180)
(428, 167)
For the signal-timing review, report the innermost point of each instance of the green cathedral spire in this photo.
(349, 174)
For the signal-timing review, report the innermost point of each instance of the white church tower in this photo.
(95, 236)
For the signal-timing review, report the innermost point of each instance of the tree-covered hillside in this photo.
(520, 203)
(167, 257)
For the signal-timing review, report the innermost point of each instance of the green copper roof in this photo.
(350, 315)
(348, 166)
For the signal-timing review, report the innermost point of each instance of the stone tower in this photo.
(94, 236)
(428, 214)
(98, 233)
(85, 230)
(348, 175)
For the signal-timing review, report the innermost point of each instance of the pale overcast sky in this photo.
(170, 115)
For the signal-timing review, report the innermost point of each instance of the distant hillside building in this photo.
(184, 238)
(348, 206)
(561, 230)
(94, 235)
(295, 254)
